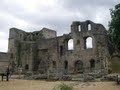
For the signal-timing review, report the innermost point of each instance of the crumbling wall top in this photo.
(87, 25)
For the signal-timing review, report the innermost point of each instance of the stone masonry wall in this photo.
(43, 52)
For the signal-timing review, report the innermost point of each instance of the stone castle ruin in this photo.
(43, 51)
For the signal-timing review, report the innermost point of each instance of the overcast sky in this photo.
(32, 15)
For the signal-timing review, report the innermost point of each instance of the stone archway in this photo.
(78, 66)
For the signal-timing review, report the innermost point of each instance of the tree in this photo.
(114, 26)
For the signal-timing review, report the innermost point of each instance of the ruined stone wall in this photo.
(47, 33)
(47, 54)
(15, 36)
(41, 51)
(99, 52)
(26, 54)
(24, 47)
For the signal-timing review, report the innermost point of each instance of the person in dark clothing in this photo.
(7, 74)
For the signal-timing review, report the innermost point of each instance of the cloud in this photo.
(81, 4)
(31, 15)
(3, 41)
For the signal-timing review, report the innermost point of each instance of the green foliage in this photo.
(114, 26)
(63, 86)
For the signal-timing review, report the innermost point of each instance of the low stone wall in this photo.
(4, 61)
(4, 57)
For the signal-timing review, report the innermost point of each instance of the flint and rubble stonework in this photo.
(43, 51)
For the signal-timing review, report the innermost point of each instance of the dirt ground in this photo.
(17, 84)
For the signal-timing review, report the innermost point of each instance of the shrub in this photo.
(63, 86)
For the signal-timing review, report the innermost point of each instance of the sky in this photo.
(33, 15)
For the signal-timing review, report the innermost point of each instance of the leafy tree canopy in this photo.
(114, 26)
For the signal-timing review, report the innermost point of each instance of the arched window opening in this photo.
(54, 64)
(79, 66)
(70, 44)
(89, 27)
(92, 63)
(26, 67)
(79, 28)
(88, 43)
